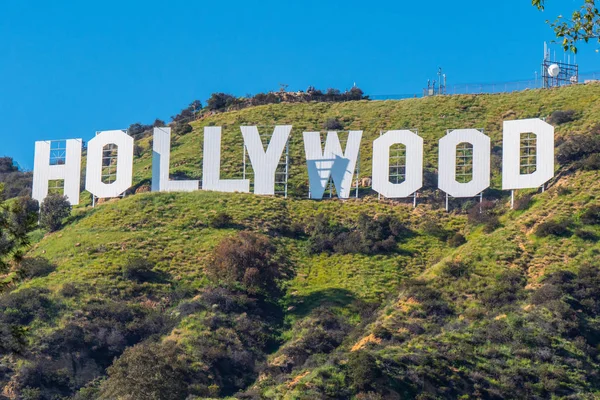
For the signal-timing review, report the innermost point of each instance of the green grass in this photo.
(172, 230)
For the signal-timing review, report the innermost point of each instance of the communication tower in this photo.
(437, 87)
(556, 73)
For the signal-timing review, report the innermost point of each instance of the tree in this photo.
(220, 101)
(159, 123)
(584, 24)
(54, 210)
(16, 221)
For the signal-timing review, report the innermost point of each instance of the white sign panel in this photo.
(323, 162)
(264, 163)
(93, 179)
(447, 163)
(70, 171)
(331, 162)
(414, 164)
(511, 154)
(161, 157)
(211, 177)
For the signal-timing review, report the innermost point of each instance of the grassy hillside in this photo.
(475, 303)
(431, 117)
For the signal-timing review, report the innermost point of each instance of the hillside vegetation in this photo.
(210, 295)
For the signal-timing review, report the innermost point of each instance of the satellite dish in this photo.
(553, 70)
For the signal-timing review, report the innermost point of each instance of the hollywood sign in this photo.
(331, 162)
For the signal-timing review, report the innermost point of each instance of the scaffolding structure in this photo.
(527, 159)
(282, 173)
(464, 162)
(528, 156)
(109, 163)
(58, 152)
(58, 156)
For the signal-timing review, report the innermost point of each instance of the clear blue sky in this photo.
(70, 68)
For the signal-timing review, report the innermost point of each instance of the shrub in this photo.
(138, 150)
(139, 270)
(250, 260)
(321, 332)
(220, 101)
(138, 129)
(23, 218)
(562, 117)
(432, 304)
(53, 211)
(69, 290)
(585, 234)
(455, 269)
(457, 240)
(431, 227)
(505, 291)
(150, 371)
(577, 147)
(522, 202)
(182, 129)
(554, 228)
(591, 162)
(23, 306)
(591, 216)
(369, 235)
(333, 124)
(362, 370)
(35, 267)
(220, 220)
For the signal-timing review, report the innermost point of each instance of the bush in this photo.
(578, 147)
(35, 267)
(554, 228)
(220, 101)
(220, 220)
(369, 235)
(139, 270)
(585, 234)
(24, 306)
(333, 124)
(562, 117)
(16, 183)
(250, 260)
(457, 240)
(522, 202)
(431, 227)
(53, 211)
(138, 150)
(591, 216)
(182, 129)
(591, 162)
(362, 370)
(321, 332)
(150, 371)
(23, 218)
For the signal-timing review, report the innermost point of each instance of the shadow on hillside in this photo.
(333, 297)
